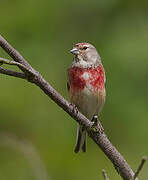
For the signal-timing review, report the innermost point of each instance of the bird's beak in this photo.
(74, 51)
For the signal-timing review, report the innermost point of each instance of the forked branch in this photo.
(98, 137)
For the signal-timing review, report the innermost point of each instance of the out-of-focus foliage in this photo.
(44, 32)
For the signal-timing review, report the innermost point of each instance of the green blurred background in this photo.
(44, 32)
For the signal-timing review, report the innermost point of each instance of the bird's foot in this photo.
(97, 127)
(74, 108)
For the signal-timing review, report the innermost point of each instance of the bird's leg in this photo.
(95, 120)
(97, 125)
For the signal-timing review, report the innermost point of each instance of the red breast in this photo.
(95, 77)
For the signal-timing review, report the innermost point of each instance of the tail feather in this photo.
(81, 140)
(84, 145)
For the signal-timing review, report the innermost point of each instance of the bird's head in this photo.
(86, 55)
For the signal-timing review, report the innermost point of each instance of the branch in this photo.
(13, 53)
(100, 139)
(143, 160)
(28, 72)
(10, 62)
(12, 73)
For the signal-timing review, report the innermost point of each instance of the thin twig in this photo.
(19, 65)
(100, 139)
(105, 175)
(10, 62)
(16, 56)
(143, 160)
(12, 73)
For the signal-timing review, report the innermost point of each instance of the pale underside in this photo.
(88, 101)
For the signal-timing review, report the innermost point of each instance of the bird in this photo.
(86, 85)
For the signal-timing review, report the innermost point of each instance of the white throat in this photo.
(84, 64)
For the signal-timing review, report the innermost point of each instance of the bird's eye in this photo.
(85, 47)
